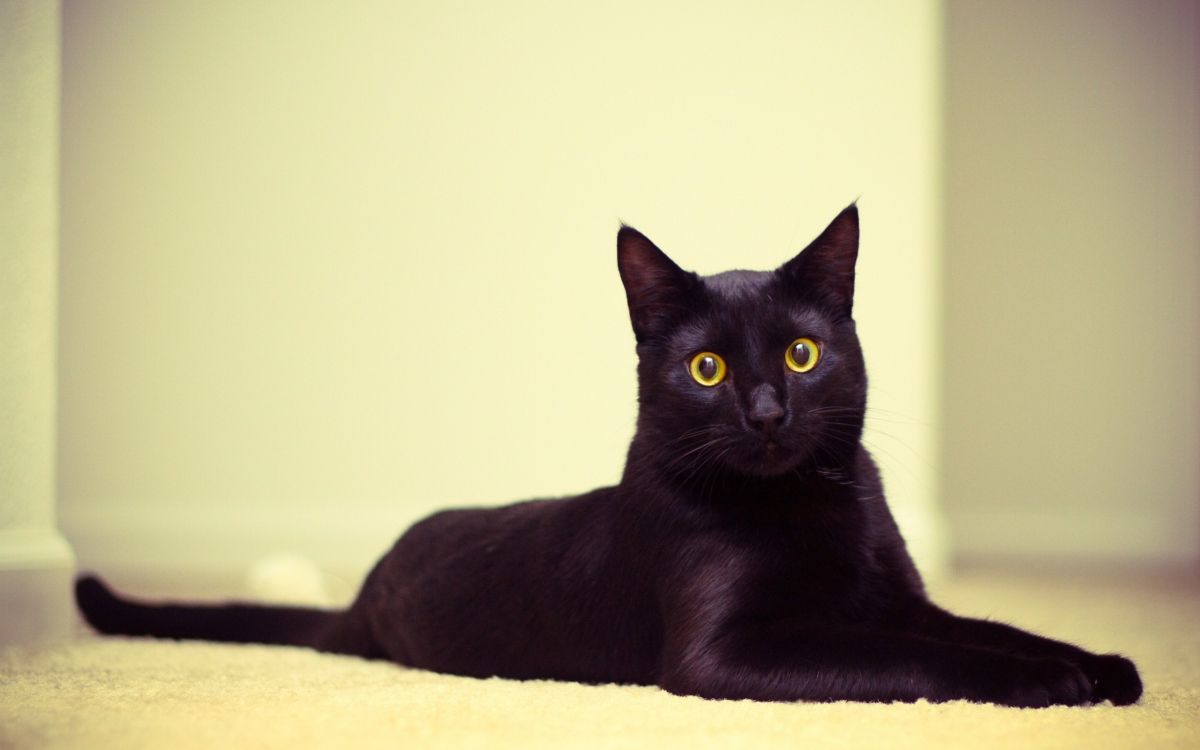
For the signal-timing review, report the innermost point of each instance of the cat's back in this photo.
(461, 534)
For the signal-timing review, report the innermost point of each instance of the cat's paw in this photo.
(1113, 678)
(1042, 682)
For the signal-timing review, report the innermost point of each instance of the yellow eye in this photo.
(802, 355)
(707, 368)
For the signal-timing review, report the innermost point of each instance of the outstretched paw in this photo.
(1038, 683)
(1113, 678)
(1058, 683)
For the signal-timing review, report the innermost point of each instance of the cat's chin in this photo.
(766, 461)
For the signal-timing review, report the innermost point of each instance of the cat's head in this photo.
(752, 372)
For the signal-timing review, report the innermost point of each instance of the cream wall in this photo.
(1072, 331)
(329, 267)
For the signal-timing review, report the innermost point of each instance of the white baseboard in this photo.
(36, 568)
(167, 548)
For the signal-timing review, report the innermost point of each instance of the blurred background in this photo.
(325, 268)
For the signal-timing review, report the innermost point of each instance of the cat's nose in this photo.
(765, 410)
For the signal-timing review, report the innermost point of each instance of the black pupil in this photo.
(708, 368)
(801, 354)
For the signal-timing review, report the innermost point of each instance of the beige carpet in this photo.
(119, 693)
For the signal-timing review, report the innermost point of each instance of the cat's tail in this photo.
(325, 630)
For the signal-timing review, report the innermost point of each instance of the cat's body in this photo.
(459, 580)
(747, 552)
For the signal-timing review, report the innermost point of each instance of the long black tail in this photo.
(325, 630)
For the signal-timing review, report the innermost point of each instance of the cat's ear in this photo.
(825, 269)
(656, 288)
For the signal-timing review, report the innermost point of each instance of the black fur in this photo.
(748, 551)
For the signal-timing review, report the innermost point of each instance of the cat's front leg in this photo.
(1112, 676)
(786, 662)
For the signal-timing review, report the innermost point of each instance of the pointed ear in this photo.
(656, 288)
(825, 269)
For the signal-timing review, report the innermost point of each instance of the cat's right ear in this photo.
(656, 288)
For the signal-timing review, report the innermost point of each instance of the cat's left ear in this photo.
(825, 269)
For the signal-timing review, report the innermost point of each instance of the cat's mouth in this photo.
(766, 458)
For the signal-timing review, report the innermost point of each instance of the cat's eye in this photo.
(802, 355)
(707, 368)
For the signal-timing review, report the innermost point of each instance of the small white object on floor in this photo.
(288, 578)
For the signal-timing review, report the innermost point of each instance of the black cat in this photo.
(748, 551)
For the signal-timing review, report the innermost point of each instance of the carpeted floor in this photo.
(120, 693)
